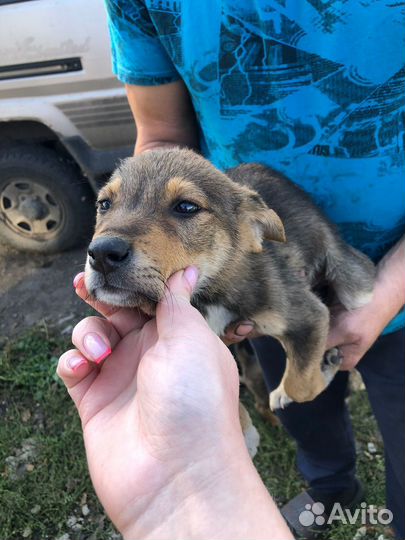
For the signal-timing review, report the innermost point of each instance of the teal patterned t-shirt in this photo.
(313, 88)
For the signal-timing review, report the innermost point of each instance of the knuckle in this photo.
(86, 325)
(61, 367)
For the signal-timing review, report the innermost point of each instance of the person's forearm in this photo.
(152, 145)
(210, 500)
(164, 116)
(149, 139)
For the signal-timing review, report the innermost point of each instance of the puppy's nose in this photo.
(107, 254)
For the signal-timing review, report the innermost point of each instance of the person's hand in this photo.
(160, 422)
(154, 408)
(354, 332)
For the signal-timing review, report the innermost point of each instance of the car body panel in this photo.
(87, 101)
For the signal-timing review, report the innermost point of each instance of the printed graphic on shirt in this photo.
(166, 15)
(336, 105)
(131, 18)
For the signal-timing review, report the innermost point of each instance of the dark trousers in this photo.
(322, 428)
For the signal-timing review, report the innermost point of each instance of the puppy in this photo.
(261, 246)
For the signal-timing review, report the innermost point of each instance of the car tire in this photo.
(46, 205)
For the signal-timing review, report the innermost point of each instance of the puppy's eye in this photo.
(103, 205)
(186, 208)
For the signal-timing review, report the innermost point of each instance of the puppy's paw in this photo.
(278, 399)
(252, 440)
(331, 363)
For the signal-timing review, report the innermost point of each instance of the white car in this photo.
(64, 120)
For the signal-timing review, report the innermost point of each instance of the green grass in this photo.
(44, 484)
(43, 488)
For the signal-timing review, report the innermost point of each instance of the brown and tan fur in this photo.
(260, 244)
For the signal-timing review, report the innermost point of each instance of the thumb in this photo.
(334, 338)
(182, 283)
(175, 307)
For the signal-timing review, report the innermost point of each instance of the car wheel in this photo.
(45, 203)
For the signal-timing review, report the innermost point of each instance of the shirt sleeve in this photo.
(138, 56)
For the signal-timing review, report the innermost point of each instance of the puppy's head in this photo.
(163, 211)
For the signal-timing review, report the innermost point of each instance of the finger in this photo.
(339, 337)
(348, 360)
(77, 373)
(350, 357)
(95, 338)
(347, 365)
(124, 319)
(237, 332)
(334, 340)
(175, 308)
(337, 333)
(183, 283)
(82, 292)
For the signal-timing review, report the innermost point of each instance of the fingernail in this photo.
(77, 279)
(96, 347)
(243, 329)
(191, 275)
(74, 362)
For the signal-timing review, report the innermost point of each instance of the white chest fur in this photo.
(218, 318)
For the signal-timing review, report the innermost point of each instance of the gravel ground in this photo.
(38, 288)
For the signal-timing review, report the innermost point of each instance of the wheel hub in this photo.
(30, 209)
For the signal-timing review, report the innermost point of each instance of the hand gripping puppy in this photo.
(260, 244)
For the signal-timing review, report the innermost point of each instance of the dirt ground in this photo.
(38, 288)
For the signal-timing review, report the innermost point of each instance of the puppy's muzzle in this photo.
(107, 254)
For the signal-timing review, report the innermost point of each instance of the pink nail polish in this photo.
(77, 279)
(95, 346)
(74, 362)
(103, 356)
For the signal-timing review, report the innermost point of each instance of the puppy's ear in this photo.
(261, 223)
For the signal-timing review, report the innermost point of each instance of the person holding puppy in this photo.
(314, 90)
